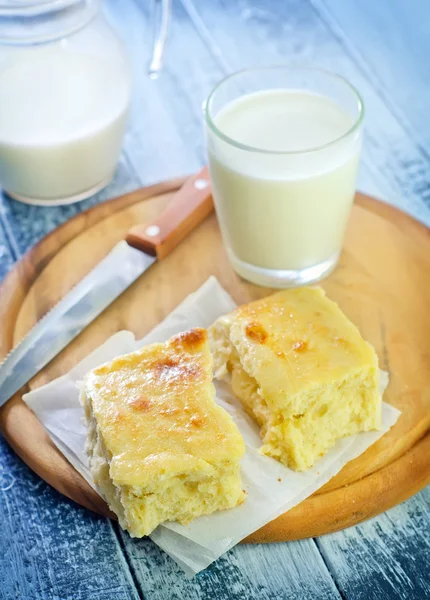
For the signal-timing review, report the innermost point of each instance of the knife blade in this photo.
(144, 245)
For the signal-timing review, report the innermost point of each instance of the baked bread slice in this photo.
(160, 448)
(301, 369)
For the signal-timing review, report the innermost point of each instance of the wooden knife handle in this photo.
(188, 207)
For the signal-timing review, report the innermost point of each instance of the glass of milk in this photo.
(64, 96)
(283, 146)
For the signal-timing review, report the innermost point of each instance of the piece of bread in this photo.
(301, 370)
(160, 448)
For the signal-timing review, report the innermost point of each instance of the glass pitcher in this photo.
(65, 88)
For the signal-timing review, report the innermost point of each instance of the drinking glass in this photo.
(283, 146)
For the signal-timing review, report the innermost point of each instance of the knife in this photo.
(144, 245)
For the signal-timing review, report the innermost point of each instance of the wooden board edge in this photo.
(44, 458)
(391, 213)
(372, 495)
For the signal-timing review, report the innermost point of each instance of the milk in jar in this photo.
(63, 110)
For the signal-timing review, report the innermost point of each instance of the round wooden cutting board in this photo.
(382, 283)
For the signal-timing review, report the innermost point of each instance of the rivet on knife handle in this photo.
(189, 206)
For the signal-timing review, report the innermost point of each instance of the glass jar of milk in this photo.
(64, 97)
(283, 147)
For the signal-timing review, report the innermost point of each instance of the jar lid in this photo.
(40, 21)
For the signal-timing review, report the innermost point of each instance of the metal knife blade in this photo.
(112, 276)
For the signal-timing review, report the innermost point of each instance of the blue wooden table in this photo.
(52, 549)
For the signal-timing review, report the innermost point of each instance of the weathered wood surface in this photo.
(50, 549)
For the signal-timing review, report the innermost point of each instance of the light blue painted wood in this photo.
(50, 549)
(293, 571)
(390, 41)
(387, 557)
(165, 137)
(7, 256)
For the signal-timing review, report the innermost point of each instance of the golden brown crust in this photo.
(299, 336)
(143, 403)
(170, 370)
(156, 412)
(190, 340)
(256, 332)
(300, 346)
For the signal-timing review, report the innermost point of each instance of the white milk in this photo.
(62, 119)
(283, 211)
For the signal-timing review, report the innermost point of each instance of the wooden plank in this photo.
(165, 137)
(292, 571)
(256, 32)
(391, 44)
(387, 557)
(52, 549)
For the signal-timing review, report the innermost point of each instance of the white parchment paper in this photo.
(272, 488)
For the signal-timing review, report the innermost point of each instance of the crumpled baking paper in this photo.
(272, 488)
